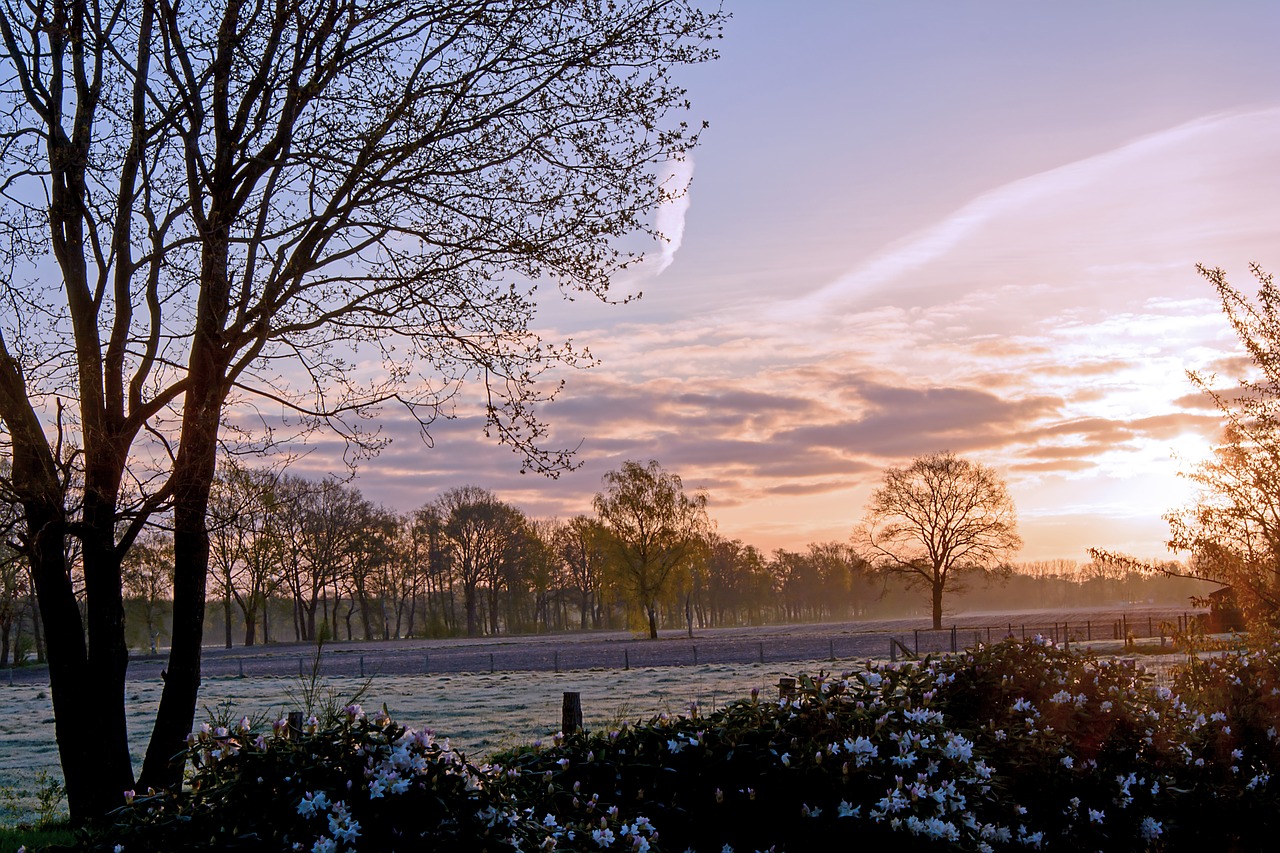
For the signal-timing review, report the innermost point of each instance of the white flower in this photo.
(847, 810)
(1151, 829)
(602, 837)
(324, 845)
(906, 759)
(312, 803)
(923, 715)
(344, 829)
(958, 747)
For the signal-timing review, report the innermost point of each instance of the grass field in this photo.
(480, 712)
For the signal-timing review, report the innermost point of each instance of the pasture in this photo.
(480, 712)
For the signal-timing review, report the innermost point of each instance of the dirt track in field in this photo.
(839, 641)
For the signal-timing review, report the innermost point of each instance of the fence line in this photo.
(639, 654)
(579, 654)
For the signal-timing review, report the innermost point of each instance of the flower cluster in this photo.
(357, 784)
(1011, 747)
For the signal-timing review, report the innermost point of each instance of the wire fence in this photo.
(583, 652)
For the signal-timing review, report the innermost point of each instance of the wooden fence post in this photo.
(295, 725)
(571, 713)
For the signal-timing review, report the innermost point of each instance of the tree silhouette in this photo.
(320, 206)
(936, 518)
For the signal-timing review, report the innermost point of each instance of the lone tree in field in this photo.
(318, 205)
(1232, 529)
(652, 527)
(937, 518)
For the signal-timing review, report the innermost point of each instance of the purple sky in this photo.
(918, 226)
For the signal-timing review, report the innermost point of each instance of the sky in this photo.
(924, 226)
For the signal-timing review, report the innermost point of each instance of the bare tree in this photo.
(252, 201)
(14, 586)
(653, 527)
(739, 584)
(580, 546)
(479, 532)
(148, 581)
(428, 548)
(247, 549)
(937, 518)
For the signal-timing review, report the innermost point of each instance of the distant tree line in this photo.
(298, 559)
(294, 559)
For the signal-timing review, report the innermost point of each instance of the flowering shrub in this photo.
(358, 784)
(1012, 747)
(1018, 746)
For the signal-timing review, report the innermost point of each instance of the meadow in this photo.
(480, 713)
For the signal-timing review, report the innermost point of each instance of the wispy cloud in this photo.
(1195, 185)
(676, 179)
(1045, 328)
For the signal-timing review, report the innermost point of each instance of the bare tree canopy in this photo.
(480, 533)
(1232, 529)
(939, 516)
(653, 528)
(320, 206)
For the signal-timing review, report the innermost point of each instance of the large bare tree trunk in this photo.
(69, 682)
(193, 475)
